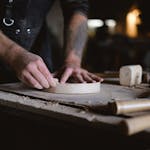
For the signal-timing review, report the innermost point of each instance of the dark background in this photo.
(115, 8)
(107, 52)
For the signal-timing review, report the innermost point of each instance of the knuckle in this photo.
(77, 71)
(85, 71)
(38, 60)
(30, 65)
(22, 74)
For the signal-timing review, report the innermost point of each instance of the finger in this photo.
(80, 78)
(96, 78)
(39, 77)
(87, 78)
(54, 74)
(30, 81)
(44, 70)
(66, 75)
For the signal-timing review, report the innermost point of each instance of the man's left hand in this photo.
(76, 74)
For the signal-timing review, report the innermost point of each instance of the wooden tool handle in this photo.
(135, 125)
(128, 106)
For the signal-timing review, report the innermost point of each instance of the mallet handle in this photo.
(129, 106)
(136, 124)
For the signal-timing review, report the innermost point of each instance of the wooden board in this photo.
(55, 110)
(18, 96)
(108, 93)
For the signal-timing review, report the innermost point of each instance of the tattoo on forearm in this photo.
(76, 38)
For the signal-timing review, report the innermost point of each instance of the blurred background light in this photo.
(110, 22)
(132, 20)
(95, 23)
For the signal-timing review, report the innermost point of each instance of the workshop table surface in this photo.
(71, 107)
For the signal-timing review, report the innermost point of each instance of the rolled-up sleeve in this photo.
(72, 6)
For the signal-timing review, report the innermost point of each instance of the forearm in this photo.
(75, 38)
(29, 68)
(8, 48)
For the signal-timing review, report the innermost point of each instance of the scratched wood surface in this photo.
(18, 96)
(108, 93)
(55, 110)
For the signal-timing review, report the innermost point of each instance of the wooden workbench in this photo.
(71, 108)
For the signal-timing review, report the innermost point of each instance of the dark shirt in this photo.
(29, 29)
(29, 16)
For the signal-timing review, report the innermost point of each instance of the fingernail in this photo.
(53, 83)
(38, 86)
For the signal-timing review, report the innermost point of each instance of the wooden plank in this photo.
(56, 110)
(108, 93)
(49, 104)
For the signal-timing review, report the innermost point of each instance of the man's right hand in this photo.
(31, 69)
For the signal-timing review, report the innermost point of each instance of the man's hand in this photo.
(30, 69)
(76, 35)
(74, 73)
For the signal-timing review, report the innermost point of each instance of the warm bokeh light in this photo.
(132, 20)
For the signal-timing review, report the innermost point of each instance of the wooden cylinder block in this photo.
(134, 125)
(75, 88)
(130, 75)
(129, 106)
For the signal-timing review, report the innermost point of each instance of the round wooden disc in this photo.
(75, 88)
